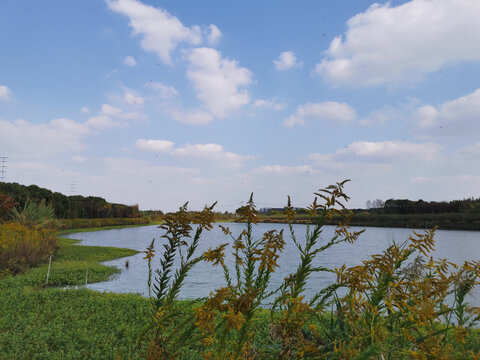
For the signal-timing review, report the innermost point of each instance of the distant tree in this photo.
(7, 203)
(375, 204)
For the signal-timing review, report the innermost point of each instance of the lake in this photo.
(456, 246)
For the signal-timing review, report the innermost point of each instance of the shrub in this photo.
(33, 214)
(22, 247)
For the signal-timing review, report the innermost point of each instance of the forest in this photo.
(65, 207)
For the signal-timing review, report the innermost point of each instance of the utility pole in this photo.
(3, 168)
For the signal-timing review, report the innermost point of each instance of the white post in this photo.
(48, 272)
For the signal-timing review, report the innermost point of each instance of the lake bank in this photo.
(444, 221)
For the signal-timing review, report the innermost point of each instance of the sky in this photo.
(161, 102)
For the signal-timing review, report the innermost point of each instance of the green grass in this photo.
(38, 322)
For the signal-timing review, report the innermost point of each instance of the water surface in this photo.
(456, 246)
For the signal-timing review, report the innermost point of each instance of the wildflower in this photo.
(233, 320)
(216, 255)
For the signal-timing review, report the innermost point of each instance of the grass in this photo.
(39, 322)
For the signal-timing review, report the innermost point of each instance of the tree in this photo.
(7, 203)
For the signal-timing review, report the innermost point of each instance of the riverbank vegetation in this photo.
(453, 215)
(44, 321)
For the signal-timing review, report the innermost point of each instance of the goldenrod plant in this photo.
(172, 328)
(400, 304)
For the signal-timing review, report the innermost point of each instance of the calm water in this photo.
(456, 246)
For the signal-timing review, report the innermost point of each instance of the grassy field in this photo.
(49, 322)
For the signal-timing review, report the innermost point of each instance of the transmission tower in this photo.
(3, 168)
(73, 188)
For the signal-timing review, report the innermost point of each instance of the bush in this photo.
(22, 247)
(33, 214)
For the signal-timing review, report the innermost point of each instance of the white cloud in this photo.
(111, 116)
(269, 104)
(217, 81)
(130, 61)
(388, 152)
(85, 110)
(161, 32)
(207, 152)
(468, 154)
(78, 159)
(286, 60)
(166, 92)
(459, 116)
(283, 170)
(5, 93)
(214, 153)
(215, 35)
(192, 117)
(133, 99)
(397, 44)
(327, 110)
(155, 145)
(57, 137)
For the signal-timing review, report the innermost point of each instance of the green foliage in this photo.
(69, 324)
(34, 214)
(74, 225)
(50, 323)
(71, 207)
(171, 329)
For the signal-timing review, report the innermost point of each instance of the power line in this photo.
(3, 168)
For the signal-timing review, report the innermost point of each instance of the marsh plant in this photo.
(396, 305)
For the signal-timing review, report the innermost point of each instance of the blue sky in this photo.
(160, 102)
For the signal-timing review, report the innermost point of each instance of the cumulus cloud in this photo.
(327, 110)
(396, 44)
(269, 104)
(5, 93)
(161, 32)
(155, 145)
(35, 140)
(206, 152)
(459, 116)
(217, 81)
(165, 91)
(286, 60)
(111, 116)
(130, 61)
(132, 99)
(214, 36)
(85, 110)
(212, 152)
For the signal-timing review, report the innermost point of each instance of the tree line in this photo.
(65, 207)
(405, 206)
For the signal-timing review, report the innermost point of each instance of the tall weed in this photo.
(22, 247)
(396, 305)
